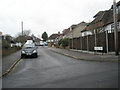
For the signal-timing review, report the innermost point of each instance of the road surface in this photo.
(52, 70)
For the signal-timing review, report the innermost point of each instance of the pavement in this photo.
(10, 61)
(89, 56)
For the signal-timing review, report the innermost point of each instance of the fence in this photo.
(87, 43)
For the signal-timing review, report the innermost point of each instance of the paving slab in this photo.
(9, 60)
(86, 56)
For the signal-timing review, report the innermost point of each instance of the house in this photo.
(68, 33)
(103, 21)
(36, 40)
(74, 31)
(95, 26)
(0, 33)
(109, 22)
(77, 30)
(52, 39)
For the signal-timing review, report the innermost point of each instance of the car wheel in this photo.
(22, 56)
(36, 55)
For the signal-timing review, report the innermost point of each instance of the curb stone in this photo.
(11, 67)
(85, 59)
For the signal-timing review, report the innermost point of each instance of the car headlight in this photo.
(34, 51)
(23, 51)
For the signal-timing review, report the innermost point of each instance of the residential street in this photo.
(53, 70)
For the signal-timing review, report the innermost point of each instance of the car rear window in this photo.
(29, 46)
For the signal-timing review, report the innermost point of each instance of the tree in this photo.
(25, 33)
(22, 38)
(44, 36)
(8, 37)
(6, 40)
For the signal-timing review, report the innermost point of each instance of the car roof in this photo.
(28, 44)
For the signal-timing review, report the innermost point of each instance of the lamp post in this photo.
(22, 32)
(115, 28)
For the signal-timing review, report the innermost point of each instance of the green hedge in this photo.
(6, 49)
(5, 44)
(64, 43)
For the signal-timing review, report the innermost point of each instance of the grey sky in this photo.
(47, 15)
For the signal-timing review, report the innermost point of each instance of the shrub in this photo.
(60, 42)
(65, 42)
(60, 46)
(5, 44)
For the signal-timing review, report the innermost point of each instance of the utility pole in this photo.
(22, 31)
(115, 28)
(107, 50)
(72, 35)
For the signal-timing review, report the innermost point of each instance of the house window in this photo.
(118, 9)
(119, 26)
(52, 40)
(112, 27)
(100, 30)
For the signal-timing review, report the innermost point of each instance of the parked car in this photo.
(29, 50)
(45, 44)
(29, 41)
(37, 44)
(41, 44)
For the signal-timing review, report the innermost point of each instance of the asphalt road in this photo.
(52, 70)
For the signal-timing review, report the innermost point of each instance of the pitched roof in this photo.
(53, 36)
(73, 26)
(36, 38)
(97, 22)
(98, 17)
(66, 31)
(108, 17)
(118, 4)
(102, 18)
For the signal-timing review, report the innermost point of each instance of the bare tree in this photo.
(24, 37)
(25, 33)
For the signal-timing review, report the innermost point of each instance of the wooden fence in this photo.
(87, 43)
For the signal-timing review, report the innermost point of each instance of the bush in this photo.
(60, 46)
(60, 42)
(5, 44)
(65, 42)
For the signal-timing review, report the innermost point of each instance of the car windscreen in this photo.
(29, 46)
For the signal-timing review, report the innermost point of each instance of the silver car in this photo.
(29, 50)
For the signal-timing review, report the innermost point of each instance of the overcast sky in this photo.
(47, 15)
